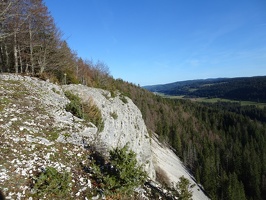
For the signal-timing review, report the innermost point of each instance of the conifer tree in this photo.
(183, 188)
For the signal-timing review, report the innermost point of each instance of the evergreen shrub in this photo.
(52, 184)
(121, 175)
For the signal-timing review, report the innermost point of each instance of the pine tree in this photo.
(235, 188)
(126, 174)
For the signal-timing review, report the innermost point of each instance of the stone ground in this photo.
(29, 129)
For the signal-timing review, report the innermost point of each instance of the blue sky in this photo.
(150, 42)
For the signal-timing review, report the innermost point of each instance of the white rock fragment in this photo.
(14, 119)
(68, 169)
(3, 175)
(89, 184)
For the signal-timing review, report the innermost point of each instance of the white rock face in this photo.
(127, 127)
(165, 159)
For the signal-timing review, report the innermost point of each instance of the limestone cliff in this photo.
(36, 131)
(127, 127)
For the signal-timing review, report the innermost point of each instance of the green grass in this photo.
(215, 100)
(170, 96)
(242, 103)
(5, 101)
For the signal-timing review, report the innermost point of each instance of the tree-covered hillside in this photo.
(241, 89)
(223, 145)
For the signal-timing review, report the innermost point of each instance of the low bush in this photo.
(182, 189)
(75, 105)
(93, 114)
(123, 99)
(52, 184)
(114, 115)
(85, 110)
(121, 175)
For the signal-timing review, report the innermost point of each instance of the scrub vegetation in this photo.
(85, 110)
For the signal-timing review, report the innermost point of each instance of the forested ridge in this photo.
(222, 144)
(241, 89)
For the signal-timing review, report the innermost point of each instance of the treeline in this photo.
(222, 144)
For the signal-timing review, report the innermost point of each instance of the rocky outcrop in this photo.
(123, 123)
(36, 132)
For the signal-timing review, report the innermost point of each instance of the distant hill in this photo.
(242, 89)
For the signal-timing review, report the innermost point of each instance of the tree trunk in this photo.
(7, 59)
(1, 59)
(31, 50)
(16, 53)
(43, 61)
(20, 59)
(27, 68)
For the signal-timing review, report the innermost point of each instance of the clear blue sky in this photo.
(150, 42)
